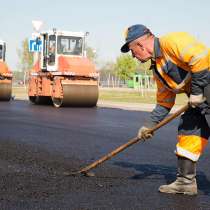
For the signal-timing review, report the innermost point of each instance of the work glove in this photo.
(196, 100)
(145, 133)
(204, 108)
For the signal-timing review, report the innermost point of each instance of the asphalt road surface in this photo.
(39, 143)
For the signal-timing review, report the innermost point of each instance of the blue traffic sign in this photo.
(35, 45)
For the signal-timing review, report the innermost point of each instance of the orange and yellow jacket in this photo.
(182, 65)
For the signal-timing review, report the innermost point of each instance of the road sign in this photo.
(37, 24)
(35, 45)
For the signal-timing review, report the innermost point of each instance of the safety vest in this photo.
(182, 65)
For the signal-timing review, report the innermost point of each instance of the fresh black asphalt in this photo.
(39, 143)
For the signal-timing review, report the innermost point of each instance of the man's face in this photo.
(139, 50)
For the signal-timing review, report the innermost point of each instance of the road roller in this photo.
(5, 75)
(62, 74)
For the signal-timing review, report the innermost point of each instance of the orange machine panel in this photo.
(32, 91)
(4, 68)
(80, 66)
(36, 67)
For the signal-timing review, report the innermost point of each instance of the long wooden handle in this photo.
(170, 118)
(131, 141)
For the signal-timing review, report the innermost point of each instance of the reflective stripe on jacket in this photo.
(182, 65)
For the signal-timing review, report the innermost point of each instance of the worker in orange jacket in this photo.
(180, 64)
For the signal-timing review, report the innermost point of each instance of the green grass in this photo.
(135, 97)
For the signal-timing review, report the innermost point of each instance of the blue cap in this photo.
(132, 33)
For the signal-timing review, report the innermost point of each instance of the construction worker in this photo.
(180, 64)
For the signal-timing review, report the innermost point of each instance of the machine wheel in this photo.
(32, 99)
(57, 102)
(43, 100)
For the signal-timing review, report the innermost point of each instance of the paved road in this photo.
(39, 143)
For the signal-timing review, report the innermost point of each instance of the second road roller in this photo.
(62, 74)
(5, 75)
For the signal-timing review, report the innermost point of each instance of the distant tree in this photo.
(107, 70)
(125, 66)
(25, 57)
(91, 54)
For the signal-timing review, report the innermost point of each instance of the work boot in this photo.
(185, 182)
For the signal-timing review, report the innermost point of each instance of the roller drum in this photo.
(5, 91)
(77, 95)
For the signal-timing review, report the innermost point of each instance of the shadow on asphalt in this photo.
(168, 172)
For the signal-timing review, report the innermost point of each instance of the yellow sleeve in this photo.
(190, 54)
(197, 57)
(186, 51)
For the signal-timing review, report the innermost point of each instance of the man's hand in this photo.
(145, 133)
(196, 100)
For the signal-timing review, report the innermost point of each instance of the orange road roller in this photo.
(62, 74)
(5, 75)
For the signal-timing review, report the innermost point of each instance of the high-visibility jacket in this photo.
(182, 65)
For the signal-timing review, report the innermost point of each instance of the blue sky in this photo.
(105, 20)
